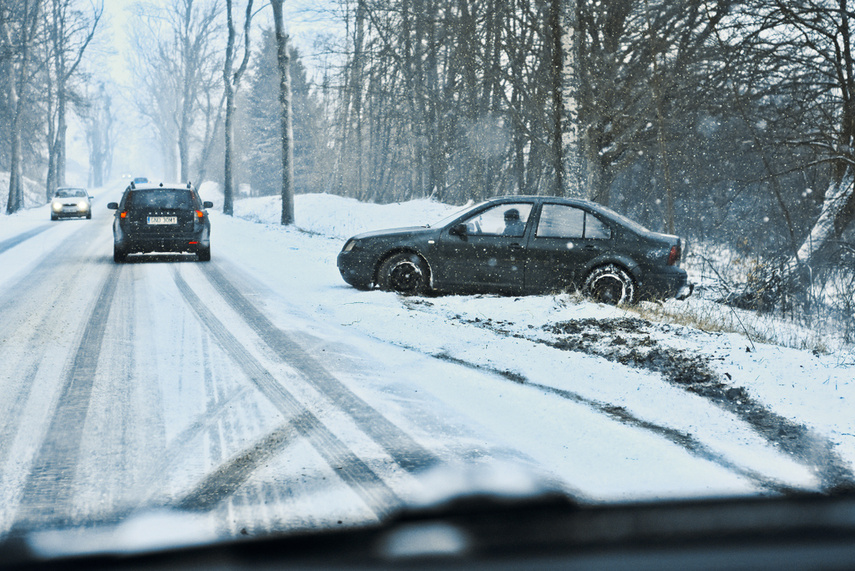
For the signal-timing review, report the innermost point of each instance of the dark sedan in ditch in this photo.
(519, 245)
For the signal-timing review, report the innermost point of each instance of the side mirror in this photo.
(113, 205)
(458, 230)
(207, 204)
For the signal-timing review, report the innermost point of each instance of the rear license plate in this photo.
(163, 220)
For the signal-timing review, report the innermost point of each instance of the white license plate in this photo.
(163, 220)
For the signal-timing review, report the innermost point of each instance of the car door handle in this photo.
(590, 248)
(515, 246)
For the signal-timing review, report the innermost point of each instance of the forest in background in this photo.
(728, 122)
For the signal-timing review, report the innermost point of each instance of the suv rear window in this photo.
(172, 199)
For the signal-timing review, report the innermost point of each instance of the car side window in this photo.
(500, 220)
(559, 221)
(596, 229)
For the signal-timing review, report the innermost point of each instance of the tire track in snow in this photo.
(230, 476)
(406, 452)
(42, 276)
(22, 237)
(692, 372)
(628, 341)
(48, 488)
(620, 414)
(348, 466)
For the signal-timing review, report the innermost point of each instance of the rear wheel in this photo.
(611, 284)
(404, 273)
(119, 255)
(204, 255)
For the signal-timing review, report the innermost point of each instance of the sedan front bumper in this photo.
(357, 269)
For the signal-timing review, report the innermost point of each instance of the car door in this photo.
(486, 251)
(566, 239)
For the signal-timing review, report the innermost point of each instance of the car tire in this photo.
(54, 217)
(119, 255)
(611, 284)
(204, 255)
(405, 273)
(89, 216)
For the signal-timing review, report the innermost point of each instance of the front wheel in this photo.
(404, 273)
(611, 284)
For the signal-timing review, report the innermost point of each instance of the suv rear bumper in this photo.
(183, 243)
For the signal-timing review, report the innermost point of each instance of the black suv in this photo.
(161, 219)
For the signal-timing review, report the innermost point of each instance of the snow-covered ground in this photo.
(725, 393)
(625, 407)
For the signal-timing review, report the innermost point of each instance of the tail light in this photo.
(200, 214)
(674, 255)
(123, 214)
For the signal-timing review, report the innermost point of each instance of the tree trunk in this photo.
(61, 133)
(50, 181)
(284, 61)
(568, 149)
(17, 89)
(836, 215)
(228, 175)
(16, 193)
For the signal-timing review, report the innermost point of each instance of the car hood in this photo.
(396, 233)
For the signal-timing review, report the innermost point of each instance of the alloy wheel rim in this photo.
(405, 277)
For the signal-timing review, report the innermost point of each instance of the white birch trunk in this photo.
(570, 98)
(837, 196)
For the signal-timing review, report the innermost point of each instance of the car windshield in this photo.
(70, 193)
(647, 296)
(448, 218)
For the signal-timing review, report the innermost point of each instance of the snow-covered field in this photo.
(626, 407)
(726, 394)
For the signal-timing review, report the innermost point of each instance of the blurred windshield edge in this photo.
(793, 532)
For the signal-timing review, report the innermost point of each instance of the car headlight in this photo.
(83, 205)
(57, 206)
(349, 246)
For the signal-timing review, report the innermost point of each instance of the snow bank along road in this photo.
(258, 392)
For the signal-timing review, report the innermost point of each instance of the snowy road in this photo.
(258, 392)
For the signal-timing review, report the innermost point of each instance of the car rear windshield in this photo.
(171, 199)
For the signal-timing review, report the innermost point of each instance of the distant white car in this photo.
(70, 202)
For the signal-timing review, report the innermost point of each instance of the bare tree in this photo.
(231, 82)
(283, 58)
(176, 61)
(806, 48)
(70, 31)
(99, 124)
(618, 108)
(18, 29)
